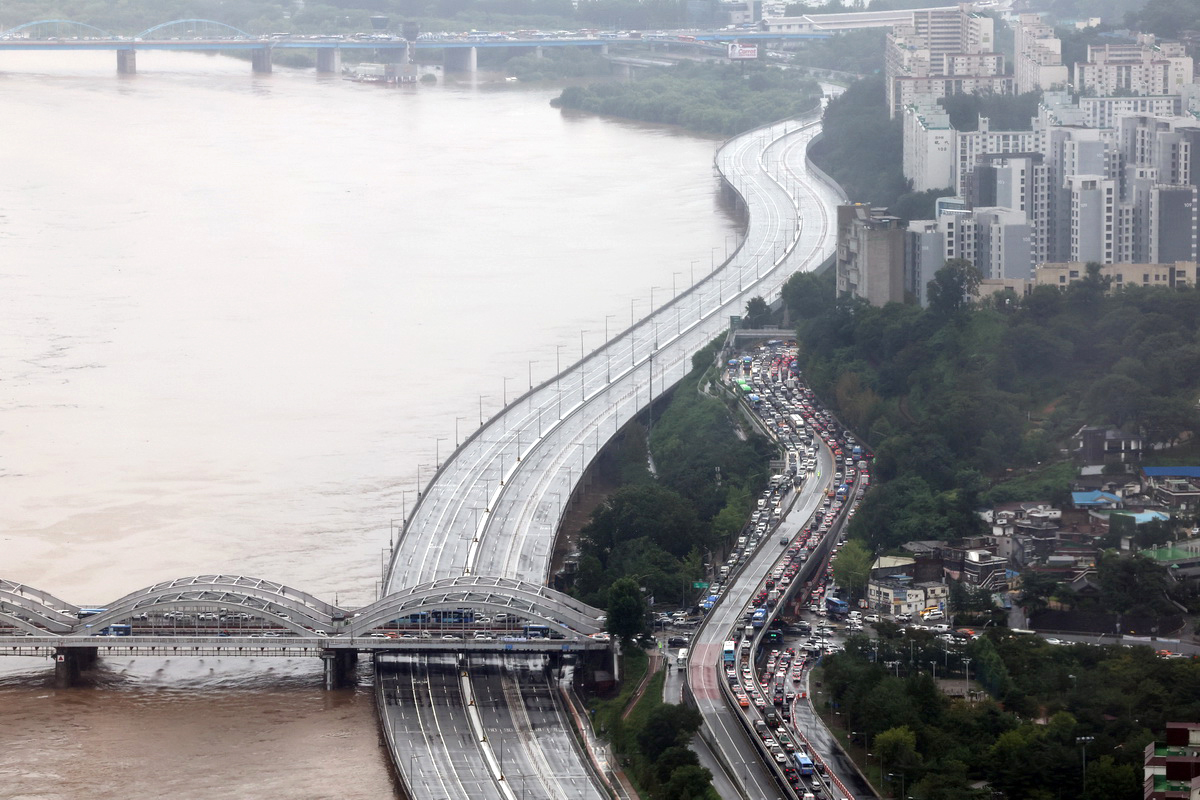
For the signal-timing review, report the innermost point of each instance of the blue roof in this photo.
(1094, 498)
(1172, 472)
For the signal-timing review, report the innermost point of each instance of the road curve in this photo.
(457, 725)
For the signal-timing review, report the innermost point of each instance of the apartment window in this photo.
(1145, 277)
(1074, 274)
(1062, 278)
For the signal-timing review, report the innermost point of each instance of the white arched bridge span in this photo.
(236, 615)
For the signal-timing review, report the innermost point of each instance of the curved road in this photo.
(494, 507)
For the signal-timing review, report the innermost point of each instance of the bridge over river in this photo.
(463, 716)
(459, 52)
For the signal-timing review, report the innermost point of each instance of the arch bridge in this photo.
(237, 615)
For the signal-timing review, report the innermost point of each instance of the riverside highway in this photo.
(474, 727)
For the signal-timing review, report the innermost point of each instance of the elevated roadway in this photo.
(494, 507)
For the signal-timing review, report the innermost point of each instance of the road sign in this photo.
(699, 585)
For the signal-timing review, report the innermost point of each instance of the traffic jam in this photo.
(766, 677)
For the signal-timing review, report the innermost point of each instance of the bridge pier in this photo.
(260, 61)
(70, 662)
(340, 668)
(329, 61)
(460, 59)
(539, 52)
(126, 62)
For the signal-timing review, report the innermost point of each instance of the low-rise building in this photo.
(1171, 769)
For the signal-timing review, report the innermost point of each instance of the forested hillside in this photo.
(658, 527)
(953, 396)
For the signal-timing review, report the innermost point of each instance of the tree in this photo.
(667, 726)
(852, 567)
(758, 313)
(688, 783)
(626, 609)
(952, 287)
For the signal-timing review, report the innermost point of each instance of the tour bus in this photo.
(681, 658)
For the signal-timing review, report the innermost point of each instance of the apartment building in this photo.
(1037, 62)
(928, 145)
(943, 51)
(870, 255)
(1146, 67)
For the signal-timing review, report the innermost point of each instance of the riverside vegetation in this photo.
(718, 99)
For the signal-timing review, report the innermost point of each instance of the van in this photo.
(931, 615)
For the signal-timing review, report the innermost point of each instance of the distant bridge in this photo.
(459, 52)
(235, 615)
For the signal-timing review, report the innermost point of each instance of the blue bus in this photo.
(835, 605)
(537, 631)
(730, 650)
(804, 764)
(760, 616)
(90, 612)
(116, 630)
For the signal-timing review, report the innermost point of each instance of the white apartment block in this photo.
(1037, 64)
(1093, 213)
(928, 145)
(943, 51)
(1144, 68)
(970, 146)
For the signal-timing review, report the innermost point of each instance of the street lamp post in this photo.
(582, 376)
(504, 391)
(558, 375)
(692, 273)
(531, 363)
(481, 409)
(967, 683)
(1082, 741)
(607, 350)
(437, 452)
(674, 275)
(456, 421)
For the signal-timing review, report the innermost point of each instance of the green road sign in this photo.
(699, 585)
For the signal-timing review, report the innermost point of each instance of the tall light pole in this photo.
(481, 409)
(558, 375)
(456, 421)
(652, 288)
(673, 289)
(1082, 741)
(504, 391)
(967, 684)
(607, 350)
(712, 260)
(692, 273)
(582, 375)
(437, 452)
(531, 363)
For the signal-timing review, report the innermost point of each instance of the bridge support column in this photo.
(340, 668)
(329, 61)
(126, 62)
(260, 61)
(70, 662)
(539, 52)
(460, 59)
(603, 49)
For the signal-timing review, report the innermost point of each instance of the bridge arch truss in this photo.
(274, 602)
(192, 28)
(57, 29)
(538, 604)
(33, 610)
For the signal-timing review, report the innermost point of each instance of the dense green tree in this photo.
(952, 286)
(852, 567)
(668, 726)
(626, 609)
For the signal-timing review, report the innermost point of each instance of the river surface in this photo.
(240, 316)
